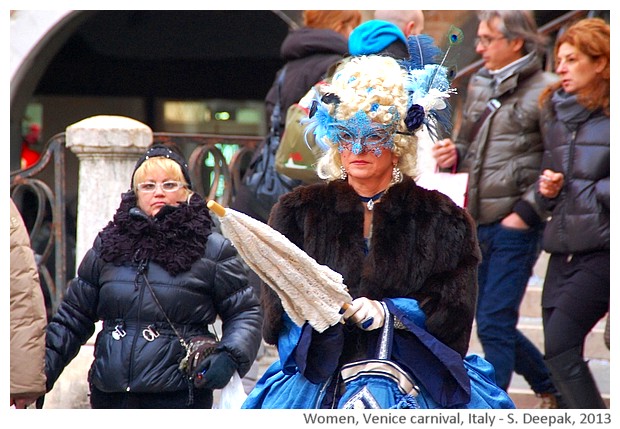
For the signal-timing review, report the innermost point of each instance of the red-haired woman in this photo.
(574, 187)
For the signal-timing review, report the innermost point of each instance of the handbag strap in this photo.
(384, 346)
(142, 271)
(491, 107)
(494, 104)
(276, 114)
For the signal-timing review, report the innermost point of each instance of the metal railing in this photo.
(215, 178)
(48, 226)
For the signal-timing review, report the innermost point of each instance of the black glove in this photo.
(215, 371)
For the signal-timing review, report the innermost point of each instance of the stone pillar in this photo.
(107, 148)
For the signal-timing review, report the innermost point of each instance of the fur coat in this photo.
(422, 246)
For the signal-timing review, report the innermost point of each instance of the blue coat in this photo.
(444, 379)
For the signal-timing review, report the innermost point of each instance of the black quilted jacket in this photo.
(580, 215)
(196, 276)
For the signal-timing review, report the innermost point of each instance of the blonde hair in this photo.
(169, 166)
(373, 85)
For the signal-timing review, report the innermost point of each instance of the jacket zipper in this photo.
(569, 173)
(141, 271)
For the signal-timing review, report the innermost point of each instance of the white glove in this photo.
(366, 313)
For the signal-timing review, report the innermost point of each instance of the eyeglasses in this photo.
(372, 141)
(168, 186)
(485, 41)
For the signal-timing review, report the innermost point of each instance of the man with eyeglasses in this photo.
(499, 144)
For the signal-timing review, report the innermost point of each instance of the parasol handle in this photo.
(216, 208)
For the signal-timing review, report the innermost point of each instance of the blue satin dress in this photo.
(302, 376)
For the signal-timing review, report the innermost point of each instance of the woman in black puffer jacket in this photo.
(574, 186)
(155, 273)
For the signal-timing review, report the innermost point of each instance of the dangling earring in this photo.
(343, 173)
(397, 176)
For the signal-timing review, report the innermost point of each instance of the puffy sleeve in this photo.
(237, 305)
(28, 315)
(74, 322)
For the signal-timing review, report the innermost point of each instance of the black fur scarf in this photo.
(175, 238)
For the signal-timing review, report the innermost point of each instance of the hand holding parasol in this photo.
(308, 290)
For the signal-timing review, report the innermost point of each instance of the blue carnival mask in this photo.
(359, 135)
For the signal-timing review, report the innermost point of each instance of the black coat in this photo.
(196, 276)
(309, 53)
(423, 247)
(580, 214)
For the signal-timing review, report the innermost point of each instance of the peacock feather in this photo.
(422, 51)
(455, 36)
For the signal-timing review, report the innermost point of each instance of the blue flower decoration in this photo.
(415, 117)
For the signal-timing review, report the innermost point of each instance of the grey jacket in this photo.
(503, 158)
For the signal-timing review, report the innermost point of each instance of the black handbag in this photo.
(263, 183)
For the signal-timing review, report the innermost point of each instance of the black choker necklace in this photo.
(370, 201)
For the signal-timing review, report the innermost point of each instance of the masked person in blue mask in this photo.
(408, 256)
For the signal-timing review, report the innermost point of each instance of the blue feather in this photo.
(422, 51)
(319, 124)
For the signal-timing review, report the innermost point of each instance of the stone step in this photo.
(596, 353)
(530, 324)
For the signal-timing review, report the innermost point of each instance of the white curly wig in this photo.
(375, 86)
